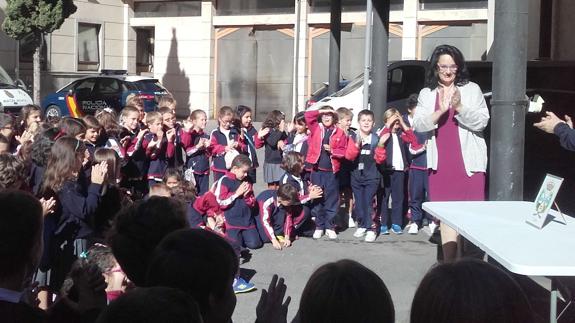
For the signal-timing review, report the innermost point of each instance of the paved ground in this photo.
(401, 261)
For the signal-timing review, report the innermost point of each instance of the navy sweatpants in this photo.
(202, 183)
(363, 194)
(418, 186)
(248, 237)
(393, 184)
(325, 208)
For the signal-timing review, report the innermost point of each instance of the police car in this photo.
(12, 97)
(107, 90)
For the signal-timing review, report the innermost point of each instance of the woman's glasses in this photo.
(445, 68)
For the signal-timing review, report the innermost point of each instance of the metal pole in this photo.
(380, 59)
(367, 57)
(334, 45)
(296, 59)
(509, 104)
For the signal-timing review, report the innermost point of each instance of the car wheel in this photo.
(53, 111)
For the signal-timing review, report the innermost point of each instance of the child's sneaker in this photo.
(351, 222)
(413, 228)
(383, 230)
(370, 236)
(242, 286)
(396, 229)
(317, 234)
(360, 232)
(331, 234)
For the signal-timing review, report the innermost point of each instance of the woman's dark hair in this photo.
(462, 75)
(41, 146)
(196, 261)
(469, 290)
(345, 291)
(64, 162)
(12, 172)
(273, 119)
(139, 228)
(293, 163)
(153, 304)
(72, 126)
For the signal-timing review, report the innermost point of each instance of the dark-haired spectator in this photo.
(12, 172)
(469, 290)
(152, 305)
(345, 291)
(561, 128)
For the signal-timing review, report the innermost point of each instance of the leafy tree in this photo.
(34, 19)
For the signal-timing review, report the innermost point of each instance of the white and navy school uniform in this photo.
(325, 209)
(239, 220)
(250, 150)
(219, 141)
(302, 186)
(365, 181)
(418, 183)
(158, 157)
(198, 162)
(135, 166)
(298, 142)
(272, 216)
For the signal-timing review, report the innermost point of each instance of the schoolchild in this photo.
(344, 116)
(365, 153)
(249, 135)
(398, 144)
(224, 140)
(92, 136)
(327, 145)
(72, 127)
(159, 147)
(236, 198)
(169, 123)
(197, 151)
(7, 130)
(135, 166)
(274, 143)
(30, 116)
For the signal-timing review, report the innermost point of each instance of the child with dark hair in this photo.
(197, 144)
(274, 143)
(250, 136)
(72, 127)
(7, 129)
(139, 228)
(344, 116)
(29, 114)
(224, 139)
(327, 145)
(4, 145)
(169, 124)
(159, 147)
(153, 304)
(345, 291)
(235, 196)
(469, 290)
(12, 172)
(297, 135)
(365, 150)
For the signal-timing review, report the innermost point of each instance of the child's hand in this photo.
(276, 244)
(281, 145)
(569, 121)
(327, 148)
(290, 126)
(125, 142)
(47, 206)
(287, 243)
(389, 123)
(383, 139)
(87, 158)
(263, 132)
(142, 132)
(171, 135)
(242, 189)
(271, 308)
(99, 172)
(315, 192)
(402, 124)
(160, 135)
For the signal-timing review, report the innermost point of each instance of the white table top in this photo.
(499, 229)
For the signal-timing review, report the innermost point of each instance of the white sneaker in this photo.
(432, 228)
(370, 236)
(317, 234)
(360, 232)
(413, 229)
(331, 234)
(351, 222)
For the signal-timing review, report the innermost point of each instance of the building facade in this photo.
(229, 52)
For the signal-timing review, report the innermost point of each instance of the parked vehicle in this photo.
(13, 95)
(322, 92)
(107, 90)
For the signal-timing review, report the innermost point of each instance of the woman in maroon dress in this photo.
(452, 112)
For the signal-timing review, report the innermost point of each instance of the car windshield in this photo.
(352, 86)
(5, 78)
(151, 85)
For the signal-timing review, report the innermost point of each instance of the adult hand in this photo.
(47, 205)
(456, 99)
(549, 122)
(99, 172)
(271, 308)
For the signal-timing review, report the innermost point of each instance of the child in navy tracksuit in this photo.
(365, 153)
(398, 140)
(225, 139)
(169, 123)
(250, 137)
(327, 144)
(159, 147)
(197, 144)
(135, 166)
(344, 116)
(236, 198)
(92, 136)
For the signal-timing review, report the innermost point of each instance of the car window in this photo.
(404, 81)
(87, 84)
(108, 86)
(352, 86)
(150, 85)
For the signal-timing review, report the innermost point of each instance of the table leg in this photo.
(553, 305)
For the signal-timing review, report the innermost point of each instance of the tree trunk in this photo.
(36, 73)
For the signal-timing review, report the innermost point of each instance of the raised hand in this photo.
(271, 308)
(263, 132)
(315, 192)
(99, 172)
(47, 205)
(242, 189)
(171, 135)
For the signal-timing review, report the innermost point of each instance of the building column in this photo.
(409, 40)
(490, 28)
(129, 43)
(208, 13)
(302, 58)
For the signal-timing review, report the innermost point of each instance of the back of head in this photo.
(12, 172)
(72, 126)
(139, 228)
(6, 120)
(199, 262)
(288, 193)
(345, 291)
(152, 305)
(20, 232)
(470, 291)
